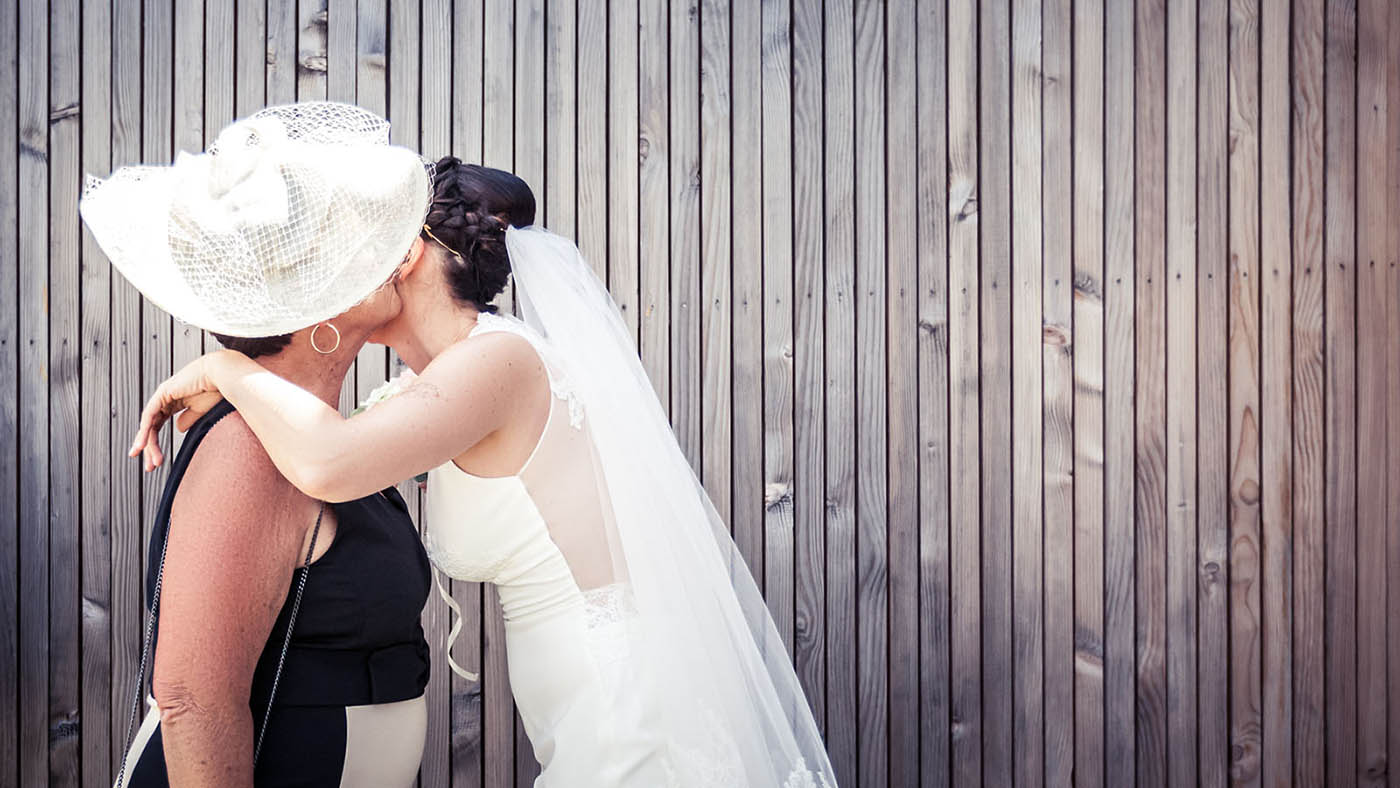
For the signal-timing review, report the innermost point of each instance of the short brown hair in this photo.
(254, 347)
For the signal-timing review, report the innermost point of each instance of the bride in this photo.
(640, 651)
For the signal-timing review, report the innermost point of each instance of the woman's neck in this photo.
(321, 374)
(427, 328)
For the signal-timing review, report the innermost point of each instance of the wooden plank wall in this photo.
(1043, 355)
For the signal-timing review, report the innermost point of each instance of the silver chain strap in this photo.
(150, 631)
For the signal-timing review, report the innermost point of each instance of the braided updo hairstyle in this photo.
(471, 208)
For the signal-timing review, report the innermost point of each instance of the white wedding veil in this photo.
(703, 645)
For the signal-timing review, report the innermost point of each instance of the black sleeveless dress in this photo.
(357, 641)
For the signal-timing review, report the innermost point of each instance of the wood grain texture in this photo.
(1309, 472)
(1039, 354)
(964, 506)
(1339, 352)
(1276, 393)
(935, 720)
(1212, 410)
(1027, 415)
(839, 195)
(1089, 382)
(1180, 284)
(1373, 19)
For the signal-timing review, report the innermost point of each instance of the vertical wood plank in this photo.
(963, 412)
(281, 70)
(1392, 159)
(1027, 392)
(65, 484)
(560, 116)
(1119, 391)
(1339, 320)
(1180, 284)
(871, 428)
(777, 270)
(994, 267)
(1245, 648)
(683, 143)
(809, 418)
(250, 61)
(653, 190)
(1056, 354)
(746, 283)
(341, 62)
(467, 712)
(33, 432)
(313, 50)
(842, 681)
(1309, 473)
(9, 403)
(592, 79)
(715, 256)
(1212, 408)
(1373, 18)
(187, 340)
(623, 266)
(1276, 408)
(127, 394)
(1089, 379)
(98, 679)
(932, 134)
(902, 384)
(1150, 347)
(372, 93)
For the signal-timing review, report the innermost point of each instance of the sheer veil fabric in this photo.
(700, 642)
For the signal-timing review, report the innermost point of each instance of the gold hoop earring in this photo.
(317, 347)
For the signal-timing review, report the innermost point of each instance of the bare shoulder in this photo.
(231, 486)
(503, 356)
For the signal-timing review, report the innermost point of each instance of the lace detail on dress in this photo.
(711, 762)
(609, 604)
(559, 383)
(459, 567)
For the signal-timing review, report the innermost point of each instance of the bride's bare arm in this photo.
(466, 393)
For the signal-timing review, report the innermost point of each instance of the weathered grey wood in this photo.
(371, 92)
(902, 383)
(994, 335)
(1212, 406)
(187, 341)
(1391, 156)
(716, 316)
(1027, 392)
(250, 58)
(683, 142)
(746, 283)
(964, 546)
(127, 523)
(1373, 19)
(777, 271)
(65, 346)
(809, 419)
(869, 299)
(1180, 284)
(1089, 379)
(560, 117)
(653, 168)
(931, 43)
(9, 402)
(95, 350)
(1119, 381)
(281, 71)
(1309, 473)
(1057, 352)
(1276, 394)
(1150, 418)
(341, 53)
(1245, 652)
(592, 122)
(32, 434)
(842, 680)
(312, 49)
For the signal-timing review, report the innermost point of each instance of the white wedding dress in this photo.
(640, 651)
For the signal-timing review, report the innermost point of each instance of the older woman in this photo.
(289, 650)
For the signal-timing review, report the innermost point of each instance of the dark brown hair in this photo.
(255, 347)
(472, 206)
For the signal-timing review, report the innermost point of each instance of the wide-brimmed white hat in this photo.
(294, 215)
